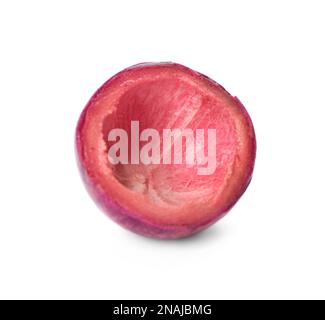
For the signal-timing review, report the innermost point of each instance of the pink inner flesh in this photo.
(176, 104)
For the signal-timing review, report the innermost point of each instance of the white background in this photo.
(55, 243)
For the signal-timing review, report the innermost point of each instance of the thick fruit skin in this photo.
(142, 226)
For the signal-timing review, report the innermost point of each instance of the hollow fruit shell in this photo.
(124, 214)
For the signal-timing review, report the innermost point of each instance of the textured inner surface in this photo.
(175, 104)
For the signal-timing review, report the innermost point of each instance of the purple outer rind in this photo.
(126, 218)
